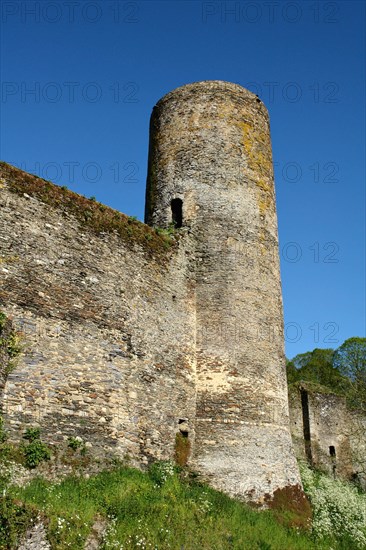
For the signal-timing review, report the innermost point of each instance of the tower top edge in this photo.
(220, 87)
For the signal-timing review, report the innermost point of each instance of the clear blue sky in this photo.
(79, 80)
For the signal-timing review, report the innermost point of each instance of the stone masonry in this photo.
(327, 433)
(131, 336)
(210, 148)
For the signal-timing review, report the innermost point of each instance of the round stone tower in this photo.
(210, 171)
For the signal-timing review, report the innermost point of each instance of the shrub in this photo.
(75, 443)
(3, 319)
(15, 519)
(339, 509)
(31, 434)
(3, 435)
(13, 345)
(10, 346)
(35, 453)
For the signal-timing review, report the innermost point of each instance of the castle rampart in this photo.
(130, 334)
(107, 323)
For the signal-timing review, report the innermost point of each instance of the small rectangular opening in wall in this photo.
(181, 420)
(177, 212)
(332, 450)
(184, 433)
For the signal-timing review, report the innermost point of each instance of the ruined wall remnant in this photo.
(327, 433)
(131, 339)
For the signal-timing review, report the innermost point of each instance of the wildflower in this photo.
(338, 508)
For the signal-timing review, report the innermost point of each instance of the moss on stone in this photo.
(10, 346)
(93, 215)
(182, 449)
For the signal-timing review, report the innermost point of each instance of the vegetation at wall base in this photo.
(29, 455)
(164, 508)
(10, 346)
(339, 508)
(15, 519)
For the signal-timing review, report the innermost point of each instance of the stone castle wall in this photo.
(128, 340)
(327, 433)
(107, 330)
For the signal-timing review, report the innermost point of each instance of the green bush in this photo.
(13, 345)
(15, 519)
(75, 443)
(10, 345)
(3, 319)
(31, 434)
(35, 453)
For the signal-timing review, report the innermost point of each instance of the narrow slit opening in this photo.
(177, 212)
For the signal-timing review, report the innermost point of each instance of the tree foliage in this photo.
(350, 360)
(317, 367)
(342, 371)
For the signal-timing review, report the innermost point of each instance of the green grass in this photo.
(150, 510)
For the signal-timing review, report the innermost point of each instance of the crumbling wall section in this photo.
(337, 435)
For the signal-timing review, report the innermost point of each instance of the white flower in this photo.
(338, 508)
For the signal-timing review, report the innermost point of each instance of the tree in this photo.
(317, 367)
(292, 372)
(350, 360)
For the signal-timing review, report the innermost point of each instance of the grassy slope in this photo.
(144, 511)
